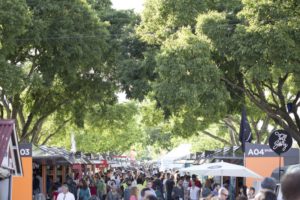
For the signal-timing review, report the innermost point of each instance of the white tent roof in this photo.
(179, 152)
(221, 169)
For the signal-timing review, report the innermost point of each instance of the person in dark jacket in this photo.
(178, 191)
(169, 187)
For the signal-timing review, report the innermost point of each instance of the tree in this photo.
(131, 58)
(14, 18)
(162, 18)
(114, 129)
(271, 63)
(188, 82)
(162, 21)
(254, 46)
(264, 48)
(58, 65)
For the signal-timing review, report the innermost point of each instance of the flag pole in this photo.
(279, 167)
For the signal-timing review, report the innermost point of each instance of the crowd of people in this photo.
(140, 185)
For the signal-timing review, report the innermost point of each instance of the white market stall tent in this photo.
(168, 161)
(221, 169)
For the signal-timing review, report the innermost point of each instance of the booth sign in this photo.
(25, 150)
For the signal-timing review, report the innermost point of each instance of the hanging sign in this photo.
(280, 141)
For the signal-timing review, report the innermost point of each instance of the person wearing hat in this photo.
(65, 194)
(267, 185)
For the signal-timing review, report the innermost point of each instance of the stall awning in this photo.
(9, 149)
(57, 155)
(6, 129)
(50, 155)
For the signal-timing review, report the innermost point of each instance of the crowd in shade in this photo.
(119, 184)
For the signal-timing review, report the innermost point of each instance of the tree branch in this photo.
(56, 131)
(21, 116)
(278, 114)
(296, 98)
(215, 137)
(272, 91)
(254, 126)
(15, 106)
(232, 84)
(281, 82)
(296, 104)
(1, 111)
(232, 130)
(5, 105)
(27, 124)
(260, 90)
(265, 125)
(37, 128)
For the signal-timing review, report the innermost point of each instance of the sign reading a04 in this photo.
(256, 152)
(25, 150)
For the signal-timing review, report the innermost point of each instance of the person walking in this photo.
(93, 189)
(223, 194)
(290, 186)
(72, 186)
(251, 193)
(127, 189)
(186, 183)
(101, 188)
(83, 191)
(207, 189)
(267, 185)
(65, 194)
(113, 194)
(169, 187)
(196, 181)
(134, 193)
(194, 191)
(178, 191)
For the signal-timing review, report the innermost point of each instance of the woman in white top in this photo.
(194, 192)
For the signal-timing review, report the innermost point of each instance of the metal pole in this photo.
(10, 188)
(279, 167)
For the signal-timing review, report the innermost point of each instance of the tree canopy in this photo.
(57, 64)
(187, 66)
(254, 46)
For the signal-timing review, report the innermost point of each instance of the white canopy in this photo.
(168, 161)
(221, 169)
(178, 152)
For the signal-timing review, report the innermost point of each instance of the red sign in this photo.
(103, 164)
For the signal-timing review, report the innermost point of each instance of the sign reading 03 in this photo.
(25, 149)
